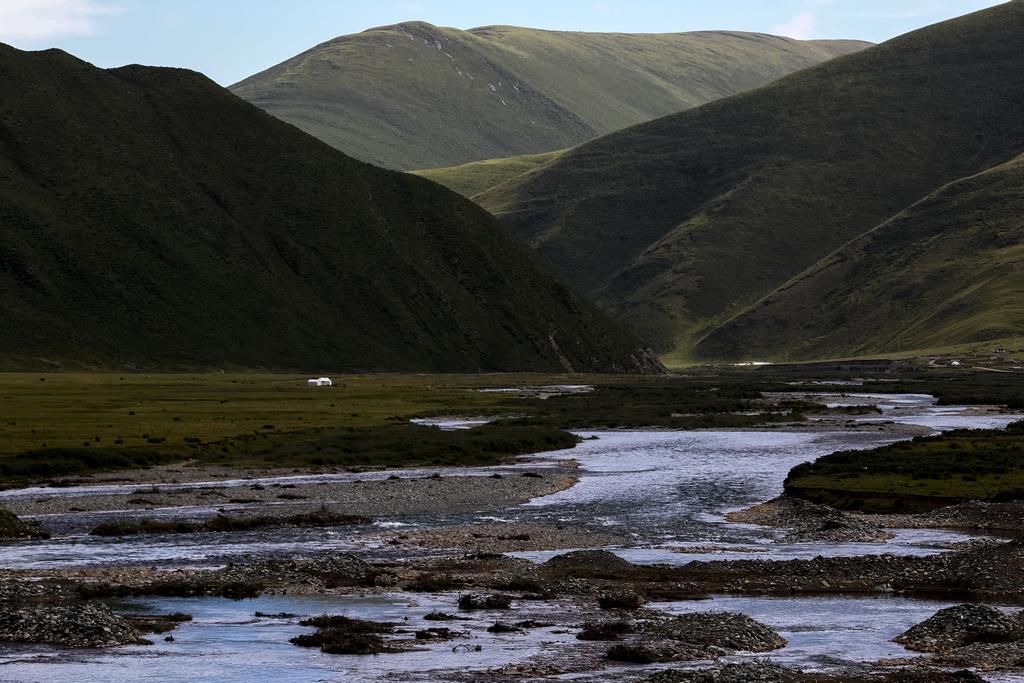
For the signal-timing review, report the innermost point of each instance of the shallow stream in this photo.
(661, 491)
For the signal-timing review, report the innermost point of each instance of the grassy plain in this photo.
(64, 425)
(917, 475)
(68, 424)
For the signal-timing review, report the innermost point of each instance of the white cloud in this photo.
(35, 20)
(800, 27)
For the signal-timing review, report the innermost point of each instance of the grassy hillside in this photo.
(947, 271)
(152, 219)
(679, 224)
(414, 96)
(473, 178)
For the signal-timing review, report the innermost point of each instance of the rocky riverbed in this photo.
(970, 635)
(810, 520)
(436, 564)
(395, 495)
(76, 625)
(602, 611)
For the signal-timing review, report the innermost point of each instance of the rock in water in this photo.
(839, 529)
(810, 522)
(726, 630)
(762, 671)
(962, 625)
(81, 625)
(758, 671)
(590, 560)
(660, 652)
(12, 527)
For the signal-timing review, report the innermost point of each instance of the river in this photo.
(662, 491)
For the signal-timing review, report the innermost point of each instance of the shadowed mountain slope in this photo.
(679, 224)
(947, 271)
(149, 217)
(414, 96)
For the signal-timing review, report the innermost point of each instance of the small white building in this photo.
(320, 382)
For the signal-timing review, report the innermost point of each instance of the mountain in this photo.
(947, 271)
(415, 96)
(149, 217)
(678, 225)
(475, 177)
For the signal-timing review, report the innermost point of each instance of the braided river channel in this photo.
(659, 491)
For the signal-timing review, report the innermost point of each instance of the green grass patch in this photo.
(395, 445)
(479, 176)
(693, 403)
(66, 425)
(922, 474)
(61, 426)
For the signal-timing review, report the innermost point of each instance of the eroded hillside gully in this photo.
(650, 497)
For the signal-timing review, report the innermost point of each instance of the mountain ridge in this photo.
(944, 272)
(678, 224)
(151, 219)
(415, 96)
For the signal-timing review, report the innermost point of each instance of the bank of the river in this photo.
(641, 494)
(791, 513)
(398, 494)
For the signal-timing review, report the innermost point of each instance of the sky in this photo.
(231, 39)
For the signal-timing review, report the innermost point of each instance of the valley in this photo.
(635, 348)
(729, 232)
(656, 506)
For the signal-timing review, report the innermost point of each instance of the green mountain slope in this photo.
(679, 224)
(414, 96)
(150, 217)
(947, 271)
(473, 178)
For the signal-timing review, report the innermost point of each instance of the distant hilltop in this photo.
(415, 96)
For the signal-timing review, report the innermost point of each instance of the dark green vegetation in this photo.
(414, 95)
(220, 523)
(57, 426)
(471, 603)
(951, 387)
(679, 225)
(391, 446)
(60, 462)
(473, 178)
(157, 623)
(175, 225)
(338, 635)
(918, 475)
(695, 403)
(69, 425)
(173, 586)
(76, 424)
